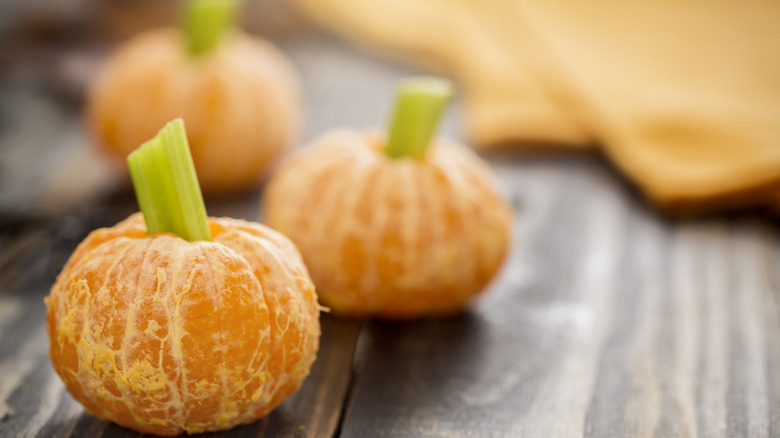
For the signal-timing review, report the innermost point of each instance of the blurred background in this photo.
(56, 184)
(51, 50)
(689, 115)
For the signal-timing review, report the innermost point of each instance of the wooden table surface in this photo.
(608, 320)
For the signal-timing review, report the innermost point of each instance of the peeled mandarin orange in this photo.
(394, 238)
(163, 335)
(240, 102)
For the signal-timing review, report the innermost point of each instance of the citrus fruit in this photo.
(163, 335)
(390, 237)
(240, 102)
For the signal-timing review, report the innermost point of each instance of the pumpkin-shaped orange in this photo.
(240, 102)
(390, 237)
(163, 335)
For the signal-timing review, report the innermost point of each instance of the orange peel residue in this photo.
(163, 335)
(396, 238)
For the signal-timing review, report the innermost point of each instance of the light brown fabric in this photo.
(683, 95)
(504, 101)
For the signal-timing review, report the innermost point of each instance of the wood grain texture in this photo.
(607, 320)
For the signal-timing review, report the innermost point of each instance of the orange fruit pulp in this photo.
(393, 238)
(240, 102)
(162, 335)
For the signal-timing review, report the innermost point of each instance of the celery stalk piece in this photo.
(205, 20)
(166, 185)
(419, 105)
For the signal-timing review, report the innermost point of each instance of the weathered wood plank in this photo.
(713, 370)
(771, 269)
(315, 410)
(620, 409)
(630, 325)
(750, 294)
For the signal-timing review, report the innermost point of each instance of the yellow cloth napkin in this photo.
(683, 95)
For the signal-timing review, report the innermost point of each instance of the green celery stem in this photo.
(166, 185)
(420, 103)
(205, 21)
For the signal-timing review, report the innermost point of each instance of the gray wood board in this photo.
(608, 321)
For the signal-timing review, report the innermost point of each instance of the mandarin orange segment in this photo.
(163, 335)
(396, 238)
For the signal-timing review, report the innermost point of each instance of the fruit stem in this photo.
(166, 185)
(205, 20)
(419, 105)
